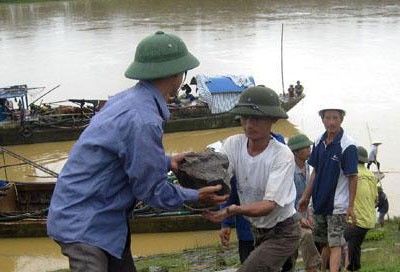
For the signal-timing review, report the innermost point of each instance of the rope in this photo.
(10, 218)
(34, 164)
(197, 209)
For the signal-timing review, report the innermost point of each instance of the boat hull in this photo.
(31, 135)
(178, 223)
(23, 206)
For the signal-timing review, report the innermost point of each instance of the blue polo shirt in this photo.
(333, 164)
(118, 160)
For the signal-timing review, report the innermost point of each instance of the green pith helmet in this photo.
(362, 154)
(299, 141)
(259, 101)
(160, 55)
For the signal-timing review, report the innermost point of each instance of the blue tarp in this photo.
(221, 93)
(225, 84)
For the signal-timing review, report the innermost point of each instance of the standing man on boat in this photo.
(119, 159)
(373, 156)
(264, 169)
(332, 185)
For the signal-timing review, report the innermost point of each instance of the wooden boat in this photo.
(24, 206)
(35, 124)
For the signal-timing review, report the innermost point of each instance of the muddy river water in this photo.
(344, 52)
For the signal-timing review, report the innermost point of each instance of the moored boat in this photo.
(24, 206)
(29, 123)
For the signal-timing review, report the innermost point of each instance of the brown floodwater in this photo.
(344, 52)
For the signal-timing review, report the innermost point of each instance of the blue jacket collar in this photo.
(159, 99)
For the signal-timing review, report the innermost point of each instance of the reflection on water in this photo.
(54, 155)
(43, 254)
(198, 140)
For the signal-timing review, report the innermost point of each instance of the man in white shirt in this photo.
(264, 169)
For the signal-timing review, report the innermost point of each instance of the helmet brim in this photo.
(301, 145)
(157, 70)
(269, 111)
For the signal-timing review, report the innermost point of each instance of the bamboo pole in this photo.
(283, 84)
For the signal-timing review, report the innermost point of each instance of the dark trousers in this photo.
(290, 263)
(272, 247)
(87, 258)
(245, 248)
(354, 236)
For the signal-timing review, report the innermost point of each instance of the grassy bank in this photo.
(25, 1)
(381, 252)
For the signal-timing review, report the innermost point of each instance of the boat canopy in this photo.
(221, 92)
(13, 91)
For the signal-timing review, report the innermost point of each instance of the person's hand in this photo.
(215, 216)
(303, 204)
(207, 195)
(304, 223)
(225, 235)
(310, 220)
(176, 160)
(350, 214)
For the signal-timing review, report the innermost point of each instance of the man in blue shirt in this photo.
(300, 146)
(119, 159)
(333, 186)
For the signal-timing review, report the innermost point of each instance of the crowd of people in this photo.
(309, 196)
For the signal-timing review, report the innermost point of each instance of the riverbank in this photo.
(380, 252)
(24, 1)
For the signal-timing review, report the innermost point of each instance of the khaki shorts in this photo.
(309, 252)
(329, 229)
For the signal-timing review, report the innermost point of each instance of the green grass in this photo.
(25, 1)
(381, 253)
(381, 249)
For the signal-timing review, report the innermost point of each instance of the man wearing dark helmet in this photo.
(264, 169)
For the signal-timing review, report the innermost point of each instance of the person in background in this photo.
(298, 88)
(300, 146)
(364, 208)
(291, 91)
(188, 92)
(332, 185)
(264, 169)
(373, 156)
(382, 205)
(119, 159)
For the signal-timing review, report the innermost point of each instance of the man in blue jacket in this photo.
(119, 159)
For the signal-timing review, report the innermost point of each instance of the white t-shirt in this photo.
(267, 176)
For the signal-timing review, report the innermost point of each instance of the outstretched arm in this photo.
(352, 195)
(305, 198)
(261, 208)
